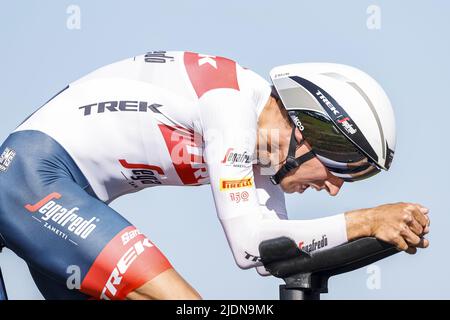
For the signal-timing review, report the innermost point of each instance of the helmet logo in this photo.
(345, 121)
(297, 122)
(347, 125)
(327, 103)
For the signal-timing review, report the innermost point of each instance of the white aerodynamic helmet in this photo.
(343, 113)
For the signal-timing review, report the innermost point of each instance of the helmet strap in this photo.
(291, 162)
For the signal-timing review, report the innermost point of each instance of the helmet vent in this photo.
(366, 98)
(375, 114)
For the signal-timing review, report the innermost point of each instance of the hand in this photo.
(402, 224)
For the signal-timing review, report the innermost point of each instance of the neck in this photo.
(274, 133)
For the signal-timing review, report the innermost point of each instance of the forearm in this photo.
(245, 233)
(358, 223)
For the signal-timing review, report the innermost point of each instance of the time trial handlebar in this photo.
(309, 272)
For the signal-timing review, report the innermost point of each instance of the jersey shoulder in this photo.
(188, 74)
(208, 72)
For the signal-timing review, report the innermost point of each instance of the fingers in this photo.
(413, 241)
(418, 213)
(423, 210)
(415, 227)
(423, 218)
(411, 238)
(399, 243)
(404, 245)
(403, 225)
(424, 243)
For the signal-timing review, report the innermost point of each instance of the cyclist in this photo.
(183, 118)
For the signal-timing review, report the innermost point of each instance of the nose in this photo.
(333, 185)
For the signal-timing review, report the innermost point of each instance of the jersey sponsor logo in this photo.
(157, 57)
(6, 159)
(252, 257)
(54, 213)
(186, 151)
(119, 106)
(237, 197)
(127, 262)
(210, 72)
(128, 236)
(229, 184)
(314, 245)
(237, 159)
(142, 174)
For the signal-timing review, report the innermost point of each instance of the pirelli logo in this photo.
(227, 184)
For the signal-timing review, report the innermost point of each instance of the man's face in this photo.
(310, 174)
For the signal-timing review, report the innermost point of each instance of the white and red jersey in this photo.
(180, 118)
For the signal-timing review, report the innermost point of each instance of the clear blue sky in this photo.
(409, 55)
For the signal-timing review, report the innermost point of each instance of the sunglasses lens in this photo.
(332, 148)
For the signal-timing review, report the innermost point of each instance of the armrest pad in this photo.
(282, 258)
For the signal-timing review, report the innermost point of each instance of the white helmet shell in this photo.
(342, 93)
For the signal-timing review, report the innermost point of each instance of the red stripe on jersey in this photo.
(127, 262)
(186, 154)
(210, 72)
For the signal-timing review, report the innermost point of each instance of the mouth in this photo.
(301, 188)
(316, 187)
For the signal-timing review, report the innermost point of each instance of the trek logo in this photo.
(122, 105)
(157, 57)
(237, 159)
(6, 158)
(52, 212)
(345, 122)
(226, 184)
(142, 174)
(251, 257)
(122, 266)
(205, 58)
(314, 245)
(327, 103)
